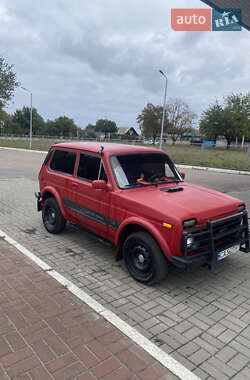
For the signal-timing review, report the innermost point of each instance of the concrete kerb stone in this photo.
(217, 170)
(203, 168)
(162, 357)
(23, 150)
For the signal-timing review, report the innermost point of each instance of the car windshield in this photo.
(143, 169)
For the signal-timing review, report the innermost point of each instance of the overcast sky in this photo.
(100, 58)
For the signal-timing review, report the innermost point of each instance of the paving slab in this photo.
(47, 333)
(189, 311)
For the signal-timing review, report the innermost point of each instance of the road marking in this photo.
(157, 353)
(203, 168)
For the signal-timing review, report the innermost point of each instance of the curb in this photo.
(203, 168)
(157, 353)
(23, 150)
(217, 170)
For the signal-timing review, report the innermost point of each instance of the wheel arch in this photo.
(50, 192)
(136, 225)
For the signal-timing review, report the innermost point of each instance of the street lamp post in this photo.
(25, 89)
(164, 106)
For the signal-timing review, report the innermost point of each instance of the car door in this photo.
(91, 206)
(60, 175)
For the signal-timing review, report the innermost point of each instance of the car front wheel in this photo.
(144, 258)
(53, 219)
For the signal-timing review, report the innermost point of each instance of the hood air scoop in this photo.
(172, 189)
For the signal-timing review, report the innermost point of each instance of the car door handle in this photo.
(75, 184)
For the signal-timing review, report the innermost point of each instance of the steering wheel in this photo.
(154, 176)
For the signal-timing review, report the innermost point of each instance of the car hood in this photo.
(191, 202)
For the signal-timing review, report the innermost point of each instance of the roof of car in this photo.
(110, 148)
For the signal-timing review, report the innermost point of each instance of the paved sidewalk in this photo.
(199, 318)
(48, 333)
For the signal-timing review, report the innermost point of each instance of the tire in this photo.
(144, 258)
(53, 219)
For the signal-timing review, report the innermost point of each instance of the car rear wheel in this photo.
(53, 219)
(144, 258)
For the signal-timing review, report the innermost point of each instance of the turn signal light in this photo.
(167, 225)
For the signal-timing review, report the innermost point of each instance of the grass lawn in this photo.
(213, 157)
(180, 153)
(37, 144)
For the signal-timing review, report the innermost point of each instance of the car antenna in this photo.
(101, 150)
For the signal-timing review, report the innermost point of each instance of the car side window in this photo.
(63, 161)
(89, 168)
(47, 158)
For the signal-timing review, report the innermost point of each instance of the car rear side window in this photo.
(47, 158)
(91, 168)
(63, 161)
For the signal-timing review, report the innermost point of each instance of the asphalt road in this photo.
(200, 318)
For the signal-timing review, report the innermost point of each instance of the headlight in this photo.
(190, 241)
(189, 223)
(241, 207)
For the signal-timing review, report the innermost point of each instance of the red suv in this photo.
(135, 198)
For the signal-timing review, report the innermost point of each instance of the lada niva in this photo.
(135, 198)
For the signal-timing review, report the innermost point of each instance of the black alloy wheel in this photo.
(53, 219)
(144, 259)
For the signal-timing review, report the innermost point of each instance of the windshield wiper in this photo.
(167, 181)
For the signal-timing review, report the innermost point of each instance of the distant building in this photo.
(127, 131)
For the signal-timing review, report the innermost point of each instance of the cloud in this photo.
(98, 59)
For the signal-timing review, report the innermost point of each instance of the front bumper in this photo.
(213, 238)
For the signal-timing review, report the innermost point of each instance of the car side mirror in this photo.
(182, 175)
(100, 184)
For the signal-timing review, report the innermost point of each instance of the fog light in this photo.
(190, 241)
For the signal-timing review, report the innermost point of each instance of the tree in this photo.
(150, 121)
(80, 133)
(62, 126)
(8, 82)
(179, 118)
(230, 120)
(106, 126)
(90, 131)
(211, 120)
(229, 127)
(22, 117)
(237, 107)
(10, 126)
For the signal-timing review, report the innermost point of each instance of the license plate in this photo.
(227, 252)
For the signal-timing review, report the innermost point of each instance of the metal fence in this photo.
(245, 153)
(183, 152)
